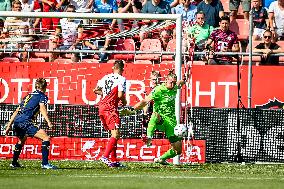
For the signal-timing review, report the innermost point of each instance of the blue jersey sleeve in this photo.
(43, 99)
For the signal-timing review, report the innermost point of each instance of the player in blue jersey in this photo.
(24, 126)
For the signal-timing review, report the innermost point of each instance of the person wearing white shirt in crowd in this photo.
(71, 32)
(276, 19)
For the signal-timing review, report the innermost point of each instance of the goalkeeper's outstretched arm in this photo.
(140, 105)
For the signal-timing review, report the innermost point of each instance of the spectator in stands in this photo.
(266, 3)
(2, 45)
(267, 48)
(199, 32)
(102, 45)
(165, 37)
(187, 9)
(153, 7)
(276, 19)
(131, 6)
(106, 6)
(71, 32)
(31, 6)
(82, 5)
(156, 7)
(172, 3)
(224, 41)
(213, 11)
(234, 6)
(260, 19)
(51, 6)
(16, 31)
(5, 5)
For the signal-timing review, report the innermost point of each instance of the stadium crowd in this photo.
(211, 25)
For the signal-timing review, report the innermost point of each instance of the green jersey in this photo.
(164, 100)
(200, 32)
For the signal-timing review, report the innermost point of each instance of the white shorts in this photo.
(258, 32)
(280, 32)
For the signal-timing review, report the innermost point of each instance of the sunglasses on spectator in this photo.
(267, 37)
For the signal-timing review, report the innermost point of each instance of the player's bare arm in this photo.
(43, 111)
(8, 125)
(121, 96)
(98, 91)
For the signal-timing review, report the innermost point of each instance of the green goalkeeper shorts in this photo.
(167, 125)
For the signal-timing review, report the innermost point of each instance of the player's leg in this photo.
(21, 133)
(111, 122)
(155, 122)
(41, 134)
(169, 124)
(17, 151)
(176, 149)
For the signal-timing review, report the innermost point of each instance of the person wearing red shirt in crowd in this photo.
(50, 6)
(112, 88)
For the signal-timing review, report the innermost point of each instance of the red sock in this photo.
(113, 153)
(110, 145)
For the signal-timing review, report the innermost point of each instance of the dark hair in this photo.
(118, 64)
(225, 18)
(16, 2)
(172, 74)
(267, 31)
(71, 7)
(40, 83)
(156, 73)
(200, 12)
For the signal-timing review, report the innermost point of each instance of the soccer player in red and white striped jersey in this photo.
(112, 87)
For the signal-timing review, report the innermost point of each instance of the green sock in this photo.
(169, 154)
(152, 125)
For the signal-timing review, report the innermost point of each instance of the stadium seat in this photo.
(10, 59)
(42, 45)
(168, 62)
(63, 60)
(199, 62)
(142, 62)
(90, 61)
(36, 60)
(171, 47)
(241, 28)
(150, 45)
(225, 4)
(124, 45)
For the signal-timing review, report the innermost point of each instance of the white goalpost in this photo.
(177, 18)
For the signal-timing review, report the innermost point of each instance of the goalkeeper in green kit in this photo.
(163, 117)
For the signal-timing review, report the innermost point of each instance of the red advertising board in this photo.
(212, 86)
(92, 149)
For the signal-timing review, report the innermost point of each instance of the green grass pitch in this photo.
(94, 175)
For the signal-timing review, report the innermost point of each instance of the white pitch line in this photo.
(155, 176)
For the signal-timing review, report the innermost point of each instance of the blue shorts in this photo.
(25, 129)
